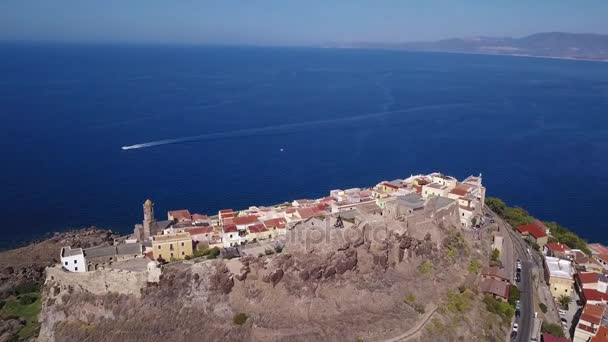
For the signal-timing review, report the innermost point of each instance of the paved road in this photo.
(520, 251)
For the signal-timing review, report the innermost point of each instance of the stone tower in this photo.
(148, 219)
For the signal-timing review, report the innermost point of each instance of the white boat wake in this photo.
(293, 127)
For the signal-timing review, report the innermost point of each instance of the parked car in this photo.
(492, 221)
(513, 335)
(515, 326)
(561, 312)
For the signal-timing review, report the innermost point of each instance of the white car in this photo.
(515, 326)
(561, 312)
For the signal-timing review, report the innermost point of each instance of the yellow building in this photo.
(559, 276)
(172, 246)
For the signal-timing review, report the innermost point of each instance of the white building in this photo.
(73, 259)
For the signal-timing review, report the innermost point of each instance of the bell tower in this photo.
(148, 219)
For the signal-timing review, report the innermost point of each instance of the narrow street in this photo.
(514, 248)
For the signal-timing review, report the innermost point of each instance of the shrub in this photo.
(514, 294)
(495, 255)
(213, 253)
(543, 307)
(458, 302)
(26, 300)
(552, 328)
(278, 249)
(474, 266)
(240, 318)
(410, 298)
(425, 267)
(269, 251)
(2, 304)
(504, 310)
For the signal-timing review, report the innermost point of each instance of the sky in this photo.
(291, 22)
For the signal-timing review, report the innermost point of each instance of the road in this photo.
(520, 251)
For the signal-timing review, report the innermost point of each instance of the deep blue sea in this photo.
(537, 129)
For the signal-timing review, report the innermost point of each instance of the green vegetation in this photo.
(210, 253)
(425, 267)
(552, 328)
(495, 255)
(502, 309)
(543, 307)
(240, 318)
(518, 216)
(474, 266)
(410, 298)
(564, 301)
(25, 307)
(459, 302)
(514, 294)
(567, 237)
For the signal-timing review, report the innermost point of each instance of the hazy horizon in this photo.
(297, 23)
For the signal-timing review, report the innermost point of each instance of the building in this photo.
(150, 226)
(602, 259)
(232, 236)
(91, 259)
(591, 280)
(278, 225)
(179, 215)
(552, 338)
(404, 206)
(495, 273)
(601, 335)
(589, 323)
(557, 249)
(533, 234)
(591, 296)
(73, 259)
(559, 276)
(201, 234)
(435, 189)
(259, 232)
(496, 288)
(172, 246)
(497, 242)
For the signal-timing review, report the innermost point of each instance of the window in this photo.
(158, 247)
(231, 236)
(75, 268)
(172, 255)
(66, 263)
(75, 261)
(182, 244)
(183, 253)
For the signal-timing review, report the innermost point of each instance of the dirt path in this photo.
(416, 329)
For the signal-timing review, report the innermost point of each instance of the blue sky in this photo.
(291, 21)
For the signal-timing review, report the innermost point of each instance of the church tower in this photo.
(148, 219)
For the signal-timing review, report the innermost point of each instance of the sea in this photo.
(214, 127)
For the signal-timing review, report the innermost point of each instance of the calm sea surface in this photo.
(537, 129)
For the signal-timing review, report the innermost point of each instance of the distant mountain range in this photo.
(548, 44)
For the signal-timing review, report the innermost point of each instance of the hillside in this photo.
(372, 280)
(547, 44)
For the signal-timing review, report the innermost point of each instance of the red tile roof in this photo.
(531, 229)
(593, 313)
(541, 225)
(245, 220)
(497, 287)
(551, 338)
(587, 277)
(180, 215)
(603, 257)
(494, 272)
(230, 228)
(601, 335)
(200, 230)
(557, 247)
(598, 248)
(459, 191)
(257, 228)
(196, 217)
(276, 223)
(594, 295)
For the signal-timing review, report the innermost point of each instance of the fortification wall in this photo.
(98, 282)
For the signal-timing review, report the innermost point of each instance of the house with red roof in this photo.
(496, 288)
(225, 214)
(276, 224)
(259, 231)
(591, 296)
(201, 234)
(200, 218)
(179, 215)
(591, 280)
(557, 249)
(533, 234)
(231, 236)
(601, 335)
(242, 222)
(602, 259)
(589, 322)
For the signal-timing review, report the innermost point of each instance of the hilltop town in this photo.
(419, 258)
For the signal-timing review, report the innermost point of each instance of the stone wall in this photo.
(98, 282)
